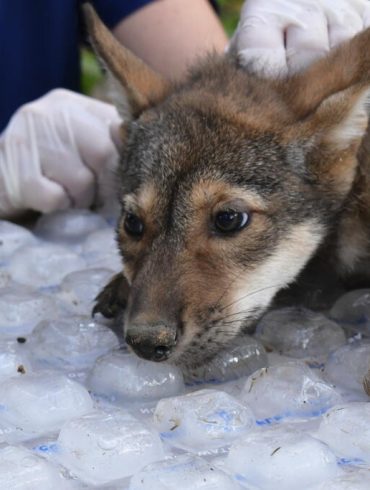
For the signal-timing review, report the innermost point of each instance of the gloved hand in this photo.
(54, 152)
(283, 36)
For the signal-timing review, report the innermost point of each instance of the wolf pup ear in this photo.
(330, 105)
(330, 97)
(140, 86)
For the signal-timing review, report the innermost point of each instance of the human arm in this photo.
(170, 34)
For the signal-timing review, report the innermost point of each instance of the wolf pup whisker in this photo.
(232, 185)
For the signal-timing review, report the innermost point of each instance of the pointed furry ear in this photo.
(141, 86)
(344, 67)
(330, 98)
(352, 118)
(335, 132)
(329, 102)
(340, 122)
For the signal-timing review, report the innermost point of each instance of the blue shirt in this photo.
(39, 46)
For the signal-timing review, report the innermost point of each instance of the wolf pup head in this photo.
(228, 183)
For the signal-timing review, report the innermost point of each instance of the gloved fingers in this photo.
(41, 194)
(344, 19)
(117, 133)
(62, 98)
(52, 138)
(266, 62)
(55, 154)
(366, 15)
(108, 185)
(52, 151)
(308, 41)
(83, 131)
(341, 33)
(259, 38)
(107, 178)
(95, 146)
(261, 47)
(104, 112)
(20, 175)
(284, 34)
(287, 35)
(75, 178)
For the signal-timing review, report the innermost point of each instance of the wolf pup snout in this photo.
(152, 341)
(231, 185)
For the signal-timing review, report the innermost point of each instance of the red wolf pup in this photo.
(231, 185)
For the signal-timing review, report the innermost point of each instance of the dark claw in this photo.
(112, 300)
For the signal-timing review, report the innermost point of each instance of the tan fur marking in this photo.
(353, 242)
(243, 291)
(207, 194)
(265, 113)
(143, 201)
(282, 266)
(353, 126)
(143, 204)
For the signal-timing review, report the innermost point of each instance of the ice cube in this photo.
(287, 390)
(21, 309)
(69, 226)
(39, 403)
(185, 472)
(103, 447)
(100, 250)
(352, 311)
(71, 343)
(298, 332)
(244, 356)
(80, 288)
(20, 469)
(4, 278)
(353, 480)
(202, 420)
(43, 265)
(347, 366)
(13, 237)
(126, 377)
(280, 458)
(346, 429)
(13, 360)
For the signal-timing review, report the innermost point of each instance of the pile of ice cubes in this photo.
(284, 408)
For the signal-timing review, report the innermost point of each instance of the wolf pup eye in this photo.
(229, 221)
(133, 225)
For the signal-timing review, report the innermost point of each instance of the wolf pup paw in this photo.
(112, 300)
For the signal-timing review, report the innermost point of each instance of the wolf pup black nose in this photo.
(230, 184)
(153, 342)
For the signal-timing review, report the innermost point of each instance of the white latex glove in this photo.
(54, 152)
(283, 36)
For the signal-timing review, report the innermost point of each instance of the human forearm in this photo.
(170, 34)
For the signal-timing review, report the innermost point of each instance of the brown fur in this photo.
(288, 152)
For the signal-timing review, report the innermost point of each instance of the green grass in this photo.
(90, 71)
(230, 10)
